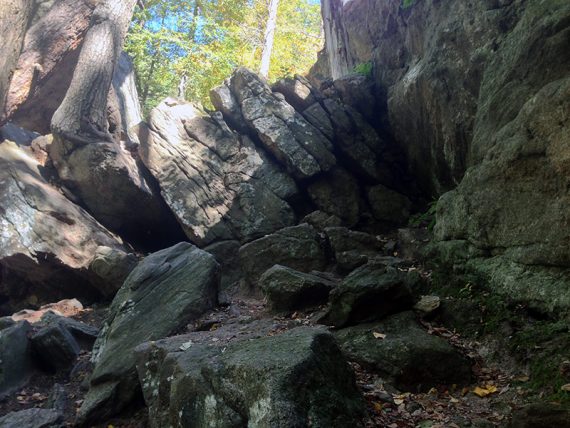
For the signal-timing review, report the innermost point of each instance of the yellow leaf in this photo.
(483, 392)
(379, 335)
(378, 407)
(565, 387)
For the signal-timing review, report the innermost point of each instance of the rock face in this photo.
(476, 95)
(303, 149)
(47, 243)
(219, 184)
(408, 357)
(164, 292)
(294, 379)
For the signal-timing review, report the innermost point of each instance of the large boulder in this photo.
(164, 292)
(404, 354)
(287, 289)
(47, 243)
(298, 247)
(301, 147)
(371, 292)
(15, 356)
(219, 185)
(112, 184)
(294, 379)
(55, 347)
(352, 249)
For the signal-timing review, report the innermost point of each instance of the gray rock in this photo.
(297, 91)
(298, 247)
(302, 148)
(540, 415)
(287, 289)
(113, 184)
(219, 185)
(164, 292)
(45, 239)
(321, 220)
(15, 357)
(352, 249)
(295, 379)
(84, 334)
(370, 293)
(224, 101)
(388, 205)
(407, 357)
(337, 193)
(32, 418)
(112, 264)
(55, 347)
(227, 255)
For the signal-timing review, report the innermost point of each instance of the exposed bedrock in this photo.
(476, 95)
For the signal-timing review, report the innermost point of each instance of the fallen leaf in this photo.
(185, 346)
(483, 392)
(379, 335)
(566, 387)
(521, 378)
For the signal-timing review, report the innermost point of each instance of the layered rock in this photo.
(218, 183)
(164, 292)
(294, 379)
(47, 243)
(475, 94)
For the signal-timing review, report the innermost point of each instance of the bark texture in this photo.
(81, 117)
(49, 52)
(269, 36)
(14, 20)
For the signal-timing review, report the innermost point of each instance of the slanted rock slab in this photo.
(407, 356)
(295, 379)
(162, 294)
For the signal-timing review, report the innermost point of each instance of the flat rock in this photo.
(166, 290)
(407, 356)
(287, 289)
(369, 293)
(298, 247)
(295, 379)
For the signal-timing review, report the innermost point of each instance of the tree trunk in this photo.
(269, 36)
(14, 20)
(46, 63)
(81, 117)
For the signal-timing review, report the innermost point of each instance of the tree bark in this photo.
(81, 117)
(46, 63)
(15, 17)
(269, 36)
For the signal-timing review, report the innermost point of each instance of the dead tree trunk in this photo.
(14, 21)
(81, 117)
(269, 36)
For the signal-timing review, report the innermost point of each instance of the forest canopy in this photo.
(186, 47)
